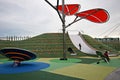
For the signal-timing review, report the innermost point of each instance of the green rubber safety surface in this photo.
(4, 60)
(112, 63)
(67, 61)
(57, 63)
(72, 69)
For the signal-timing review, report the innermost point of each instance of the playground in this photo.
(84, 68)
(48, 65)
(68, 55)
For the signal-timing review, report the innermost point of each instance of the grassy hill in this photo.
(113, 44)
(98, 45)
(50, 45)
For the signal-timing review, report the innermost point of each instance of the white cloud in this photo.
(38, 17)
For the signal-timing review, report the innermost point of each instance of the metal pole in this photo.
(64, 29)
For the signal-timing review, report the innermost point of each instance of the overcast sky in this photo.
(34, 17)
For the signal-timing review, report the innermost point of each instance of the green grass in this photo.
(99, 45)
(113, 44)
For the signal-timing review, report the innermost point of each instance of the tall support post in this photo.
(64, 30)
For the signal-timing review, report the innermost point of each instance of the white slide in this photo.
(77, 39)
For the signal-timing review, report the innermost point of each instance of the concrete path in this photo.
(115, 75)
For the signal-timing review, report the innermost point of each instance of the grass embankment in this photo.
(50, 45)
(99, 45)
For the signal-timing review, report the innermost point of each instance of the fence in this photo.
(15, 38)
(108, 39)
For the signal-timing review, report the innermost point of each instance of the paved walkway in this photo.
(115, 75)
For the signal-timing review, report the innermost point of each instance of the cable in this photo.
(112, 28)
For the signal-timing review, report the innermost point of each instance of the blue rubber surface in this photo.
(7, 68)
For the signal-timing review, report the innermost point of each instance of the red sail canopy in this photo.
(69, 9)
(95, 15)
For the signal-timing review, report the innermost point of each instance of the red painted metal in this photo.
(95, 15)
(69, 9)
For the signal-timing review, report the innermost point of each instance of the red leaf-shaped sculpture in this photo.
(95, 15)
(69, 9)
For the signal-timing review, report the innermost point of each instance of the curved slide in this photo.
(77, 39)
